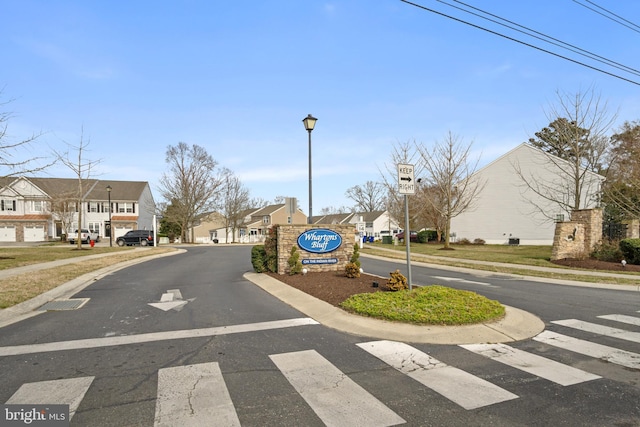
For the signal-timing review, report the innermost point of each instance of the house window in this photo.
(37, 205)
(94, 227)
(265, 219)
(8, 205)
(93, 207)
(125, 208)
(559, 217)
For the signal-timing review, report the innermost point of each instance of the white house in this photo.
(508, 211)
(374, 224)
(29, 207)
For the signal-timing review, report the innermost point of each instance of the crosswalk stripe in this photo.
(69, 391)
(629, 320)
(540, 366)
(599, 351)
(459, 386)
(333, 396)
(599, 329)
(194, 395)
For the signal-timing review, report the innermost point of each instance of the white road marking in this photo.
(537, 365)
(332, 395)
(154, 336)
(455, 279)
(170, 300)
(194, 395)
(459, 386)
(599, 351)
(630, 320)
(600, 329)
(56, 392)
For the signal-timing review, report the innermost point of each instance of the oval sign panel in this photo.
(319, 241)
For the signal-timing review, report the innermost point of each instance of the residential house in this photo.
(508, 212)
(376, 224)
(35, 209)
(212, 228)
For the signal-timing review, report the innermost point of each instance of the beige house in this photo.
(212, 227)
(42, 209)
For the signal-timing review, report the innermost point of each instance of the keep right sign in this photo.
(406, 181)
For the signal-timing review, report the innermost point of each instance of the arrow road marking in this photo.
(171, 300)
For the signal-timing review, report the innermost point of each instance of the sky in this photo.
(237, 77)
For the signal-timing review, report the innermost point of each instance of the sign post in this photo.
(406, 186)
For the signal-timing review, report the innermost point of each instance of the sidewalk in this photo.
(423, 260)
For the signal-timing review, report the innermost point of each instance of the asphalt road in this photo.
(182, 337)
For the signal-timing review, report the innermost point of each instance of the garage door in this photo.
(34, 233)
(7, 233)
(121, 231)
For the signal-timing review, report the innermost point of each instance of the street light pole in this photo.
(309, 124)
(110, 227)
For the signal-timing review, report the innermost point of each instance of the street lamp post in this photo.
(309, 124)
(110, 227)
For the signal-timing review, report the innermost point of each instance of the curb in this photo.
(516, 325)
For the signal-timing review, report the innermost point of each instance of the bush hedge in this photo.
(630, 249)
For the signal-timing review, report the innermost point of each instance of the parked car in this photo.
(85, 236)
(413, 236)
(136, 237)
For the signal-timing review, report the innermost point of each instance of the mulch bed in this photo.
(332, 286)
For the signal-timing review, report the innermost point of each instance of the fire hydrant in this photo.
(92, 242)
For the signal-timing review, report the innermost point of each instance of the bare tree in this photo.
(403, 153)
(83, 170)
(235, 202)
(450, 175)
(63, 207)
(368, 197)
(11, 149)
(575, 147)
(426, 198)
(191, 184)
(332, 210)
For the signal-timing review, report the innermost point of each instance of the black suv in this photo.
(136, 237)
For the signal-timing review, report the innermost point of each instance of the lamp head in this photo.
(309, 122)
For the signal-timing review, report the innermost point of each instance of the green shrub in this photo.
(258, 259)
(352, 270)
(423, 236)
(478, 242)
(464, 241)
(397, 281)
(295, 266)
(271, 249)
(607, 251)
(355, 257)
(630, 249)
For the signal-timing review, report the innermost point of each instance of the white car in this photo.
(86, 236)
